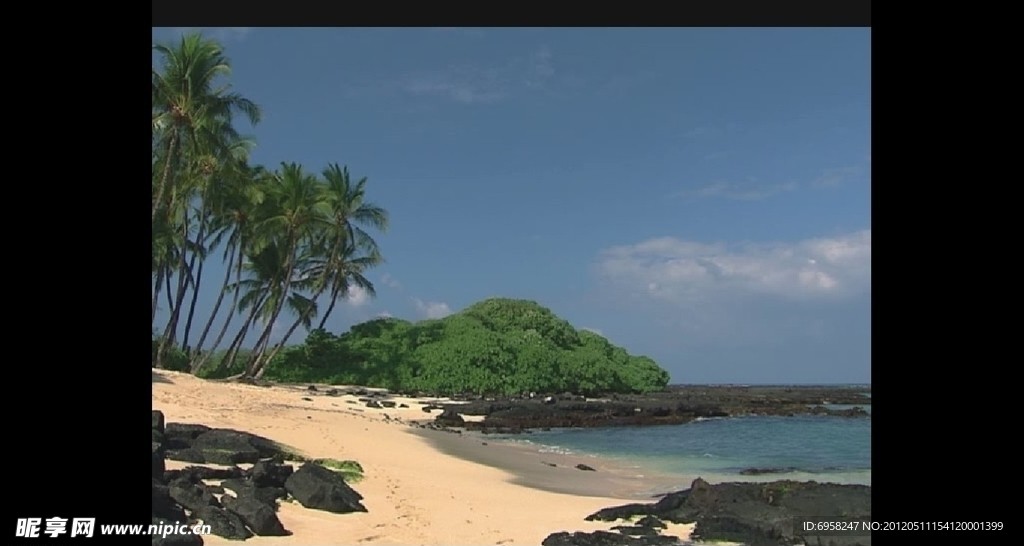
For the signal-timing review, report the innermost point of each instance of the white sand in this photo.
(415, 494)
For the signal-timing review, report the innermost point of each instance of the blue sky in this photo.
(700, 196)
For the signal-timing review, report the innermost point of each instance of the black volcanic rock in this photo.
(320, 488)
(195, 474)
(158, 421)
(164, 506)
(181, 435)
(606, 538)
(157, 461)
(228, 447)
(449, 418)
(260, 518)
(635, 530)
(201, 444)
(270, 474)
(651, 521)
(761, 471)
(758, 514)
(223, 523)
(676, 405)
(244, 488)
(193, 496)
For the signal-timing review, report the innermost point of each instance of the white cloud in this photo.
(432, 309)
(742, 191)
(540, 68)
(385, 314)
(390, 281)
(673, 270)
(460, 86)
(357, 296)
(471, 84)
(707, 132)
(751, 190)
(832, 178)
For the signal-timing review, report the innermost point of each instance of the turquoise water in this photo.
(865, 407)
(820, 448)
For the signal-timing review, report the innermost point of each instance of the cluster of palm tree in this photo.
(289, 238)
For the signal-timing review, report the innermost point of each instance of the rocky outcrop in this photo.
(317, 487)
(607, 538)
(245, 502)
(166, 509)
(674, 406)
(756, 514)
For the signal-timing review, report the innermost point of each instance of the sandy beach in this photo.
(420, 487)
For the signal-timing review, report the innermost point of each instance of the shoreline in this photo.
(415, 492)
(421, 486)
(555, 472)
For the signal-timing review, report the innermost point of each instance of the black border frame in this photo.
(933, 407)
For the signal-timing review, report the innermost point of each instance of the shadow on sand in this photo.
(158, 378)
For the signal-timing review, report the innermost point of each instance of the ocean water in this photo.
(819, 448)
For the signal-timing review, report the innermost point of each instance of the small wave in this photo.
(556, 450)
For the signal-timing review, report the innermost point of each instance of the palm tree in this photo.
(193, 134)
(258, 290)
(185, 100)
(235, 203)
(348, 210)
(341, 271)
(292, 211)
(334, 248)
(215, 176)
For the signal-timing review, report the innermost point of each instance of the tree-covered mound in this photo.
(496, 346)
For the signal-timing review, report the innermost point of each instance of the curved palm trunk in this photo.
(255, 361)
(236, 344)
(192, 305)
(156, 294)
(291, 330)
(200, 235)
(161, 188)
(277, 348)
(330, 307)
(168, 291)
(171, 332)
(261, 350)
(216, 307)
(227, 322)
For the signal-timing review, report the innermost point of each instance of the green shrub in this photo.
(497, 346)
(350, 470)
(174, 359)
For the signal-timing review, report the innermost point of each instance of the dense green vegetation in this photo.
(497, 346)
(288, 238)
